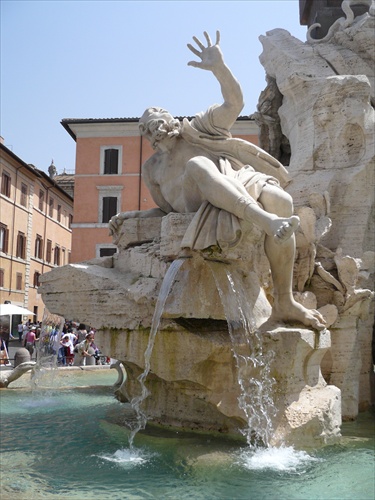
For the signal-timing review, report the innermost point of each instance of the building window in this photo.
(39, 247)
(49, 251)
(110, 160)
(23, 195)
(70, 221)
(58, 213)
(56, 259)
(21, 245)
(18, 281)
(51, 204)
(109, 208)
(41, 200)
(106, 252)
(105, 249)
(63, 256)
(109, 202)
(36, 279)
(2, 278)
(6, 182)
(4, 238)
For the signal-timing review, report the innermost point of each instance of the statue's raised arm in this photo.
(212, 60)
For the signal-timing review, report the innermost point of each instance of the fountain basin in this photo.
(85, 429)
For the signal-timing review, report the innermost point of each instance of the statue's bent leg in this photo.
(203, 181)
(203, 178)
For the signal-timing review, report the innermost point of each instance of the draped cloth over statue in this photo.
(250, 165)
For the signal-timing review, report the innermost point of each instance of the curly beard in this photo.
(163, 131)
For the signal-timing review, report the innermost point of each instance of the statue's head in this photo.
(157, 124)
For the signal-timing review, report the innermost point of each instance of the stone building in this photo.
(66, 181)
(107, 180)
(35, 230)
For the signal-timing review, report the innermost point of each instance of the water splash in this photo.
(252, 361)
(126, 458)
(46, 351)
(137, 401)
(284, 458)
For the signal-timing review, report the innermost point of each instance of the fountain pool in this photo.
(70, 443)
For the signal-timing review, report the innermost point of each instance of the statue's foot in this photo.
(283, 228)
(294, 312)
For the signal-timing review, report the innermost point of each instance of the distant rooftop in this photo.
(65, 122)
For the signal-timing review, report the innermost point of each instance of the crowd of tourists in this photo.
(75, 346)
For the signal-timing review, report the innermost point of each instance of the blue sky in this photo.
(112, 59)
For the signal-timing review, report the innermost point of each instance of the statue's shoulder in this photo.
(151, 164)
(153, 160)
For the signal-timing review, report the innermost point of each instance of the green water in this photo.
(70, 444)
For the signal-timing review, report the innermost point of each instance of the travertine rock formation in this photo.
(327, 114)
(194, 376)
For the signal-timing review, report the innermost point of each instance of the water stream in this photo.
(252, 361)
(136, 402)
(46, 351)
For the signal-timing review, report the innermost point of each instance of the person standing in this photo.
(81, 333)
(30, 340)
(84, 350)
(68, 346)
(20, 331)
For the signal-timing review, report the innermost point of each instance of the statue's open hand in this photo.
(211, 55)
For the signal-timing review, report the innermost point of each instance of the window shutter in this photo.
(49, 251)
(23, 246)
(109, 208)
(111, 161)
(107, 252)
(6, 240)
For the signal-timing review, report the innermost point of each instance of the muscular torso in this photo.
(165, 176)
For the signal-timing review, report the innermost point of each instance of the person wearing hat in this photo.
(30, 340)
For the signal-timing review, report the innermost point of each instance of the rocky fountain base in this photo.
(197, 376)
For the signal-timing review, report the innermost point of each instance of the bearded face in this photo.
(157, 125)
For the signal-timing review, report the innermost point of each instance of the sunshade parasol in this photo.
(12, 310)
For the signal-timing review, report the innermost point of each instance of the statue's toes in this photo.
(318, 321)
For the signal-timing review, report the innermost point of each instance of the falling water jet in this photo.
(253, 365)
(137, 401)
(47, 350)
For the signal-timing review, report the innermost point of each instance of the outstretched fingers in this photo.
(199, 43)
(194, 50)
(201, 46)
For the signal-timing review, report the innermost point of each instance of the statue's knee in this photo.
(276, 200)
(286, 204)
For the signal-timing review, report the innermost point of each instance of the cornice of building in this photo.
(120, 127)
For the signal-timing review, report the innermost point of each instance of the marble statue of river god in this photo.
(199, 167)
(195, 302)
